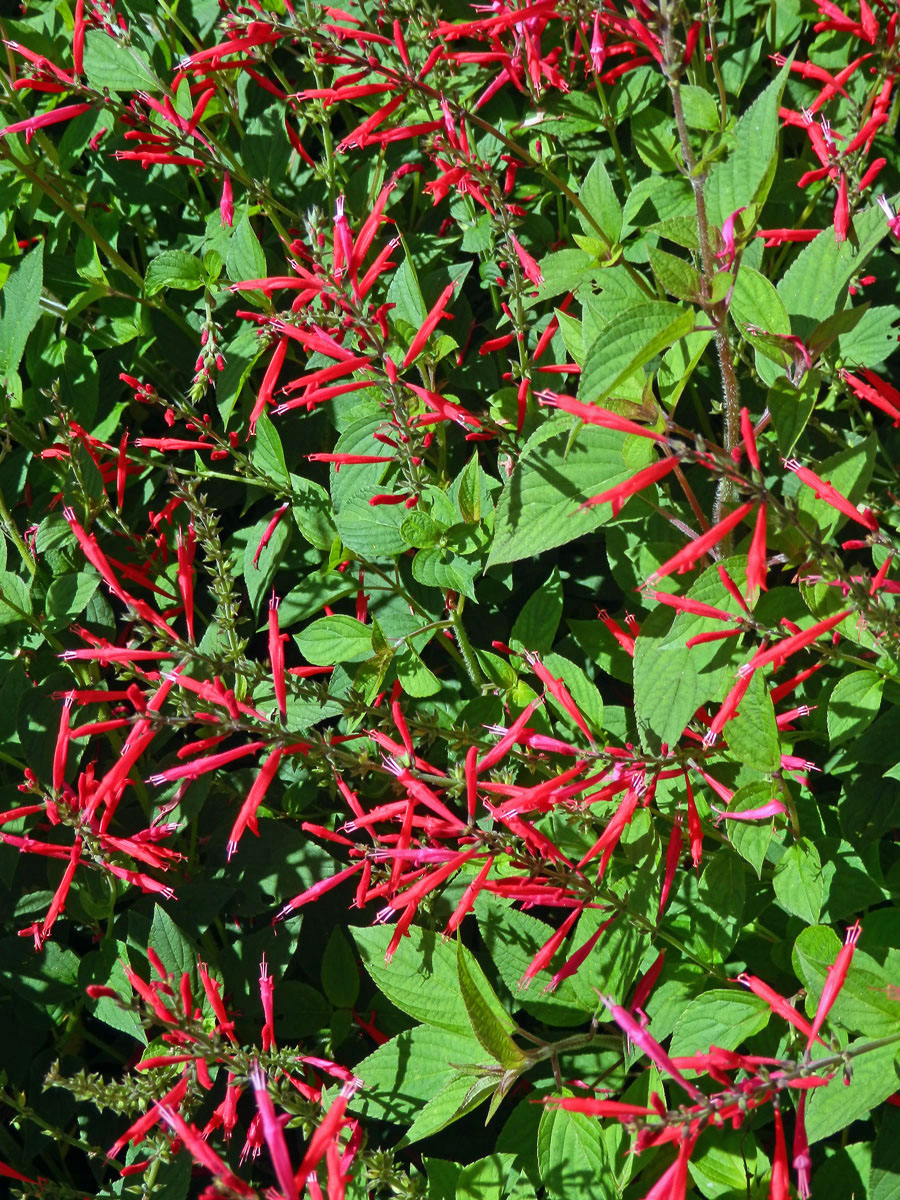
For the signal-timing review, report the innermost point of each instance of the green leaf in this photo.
(457, 1097)
(175, 949)
(598, 196)
(512, 939)
(751, 838)
(552, 479)
(267, 454)
(490, 1023)
(258, 577)
(667, 690)
(422, 978)
(798, 881)
(112, 66)
(864, 1004)
(850, 471)
(884, 1175)
(14, 598)
(536, 625)
(106, 968)
(581, 689)
(752, 734)
(628, 343)
(245, 258)
(20, 307)
(572, 1155)
(174, 269)
(700, 109)
(370, 530)
(675, 275)
(420, 530)
(853, 705)
(834, 1107)
(312, 513)
(814, 283)
(791, 408)
(716, 920)
(755, 301)
(718, 1018)
(469, 494)
(68, 597)
(745, 176)
(340, 978)
(415, 678)
(411, 1069)
(335, 639)
(486, 1178)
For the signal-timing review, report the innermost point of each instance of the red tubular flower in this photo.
(186, 546)
(246, 818)
(274, 1135)
(62, 743)
(66, 113)
(695, 828)
(201, 1151)
(841, 211)
(273, 370)
(616, 496)
(802, 1160)
(529, 266)
(437, 313)
(317, 889)
(837, 973)
(778, 1005)
(784, 649)
(823, 490)
(560, 692)
(544, 956)
(673, 857)
(78, 39)
(777, 237)
(877, 391)
(687, 557)
(276, 657)
(469, 896)
(328, 1132)
(642, 1038)
(574, 962)
(269, 530)
(779, 1185)
(598, 1108)
(593, 414)
(212, 762)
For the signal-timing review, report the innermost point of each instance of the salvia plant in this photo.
(450, 702)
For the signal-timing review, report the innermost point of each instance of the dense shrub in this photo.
(448, 635)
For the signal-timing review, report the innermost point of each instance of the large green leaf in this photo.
(632, 340)
(572, 1156)
(421, 978)
(411, 1069)
(798, 881)
(369, 529)
(752, 734)
(815, 282)
(718, 1018)
(745, 176)
(864, 1004)
(20, 307)
(667, 690)
(490, 1023)
(539, 506)
(832, 1108)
